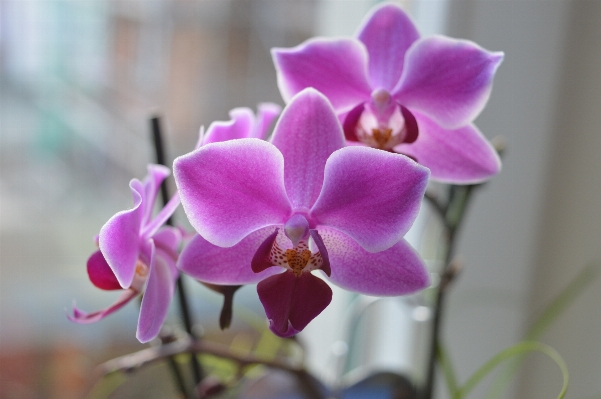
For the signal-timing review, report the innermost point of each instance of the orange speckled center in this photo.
(298, 259)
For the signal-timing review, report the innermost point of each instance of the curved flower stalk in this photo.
(398, 92)
(137, 254)
(303, 202)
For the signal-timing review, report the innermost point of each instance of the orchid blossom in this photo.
(398, 92)
(303, 202)
(242, 124)
(138, 254)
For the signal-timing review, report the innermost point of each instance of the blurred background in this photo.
(79, 81)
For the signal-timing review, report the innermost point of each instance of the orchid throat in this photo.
(308, 251)
(381, 122)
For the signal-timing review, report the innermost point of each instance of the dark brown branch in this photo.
(137, 360)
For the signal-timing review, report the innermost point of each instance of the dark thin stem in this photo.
(436, 203)
(179, 380)
(183, 299)
(453, 216)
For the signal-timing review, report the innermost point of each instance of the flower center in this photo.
(381, 124)
(141, 269)
(308, 251)
(140, 276)
(297, 259)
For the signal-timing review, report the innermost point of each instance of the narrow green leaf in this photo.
(555, 309)
(447, 369)
(506, 354)
(563, 300)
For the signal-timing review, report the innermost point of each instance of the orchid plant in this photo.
(326, 199)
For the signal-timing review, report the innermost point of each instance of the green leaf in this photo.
(563, 301)
(506, 354)
(447, 369)
(556, 308)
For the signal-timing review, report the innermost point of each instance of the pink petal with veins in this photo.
(449, 80)
(399, 270)
(335, 67)
(387, 33)
(456, 156)
(307, 133)
(371, 195)
(225, 266)
(230, 189)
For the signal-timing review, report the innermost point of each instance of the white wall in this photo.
(489, 306)
(571, 230)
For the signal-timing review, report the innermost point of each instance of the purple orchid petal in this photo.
(233, 188)
(240, 126)
(307, 133)
(119, 238)
(168, 239)
(387, 33)
(318, 240)
(100, 273)
(350, 121)
(157, 296)
(162, 217)
(460, 156)
(311, 296)
(266, 114)
(152, 183)
(231, 266)
(335, 67)
(449, 80)
(261, 260)
(291, 302)
(410, 125)
(375, 205)
(398, 270)
(82, 317)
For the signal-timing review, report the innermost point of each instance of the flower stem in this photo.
(452, 218)
(181, 290)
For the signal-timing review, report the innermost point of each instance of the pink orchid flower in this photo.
(396, 91)
(138, 254)
(242, 124)
(303, 202)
